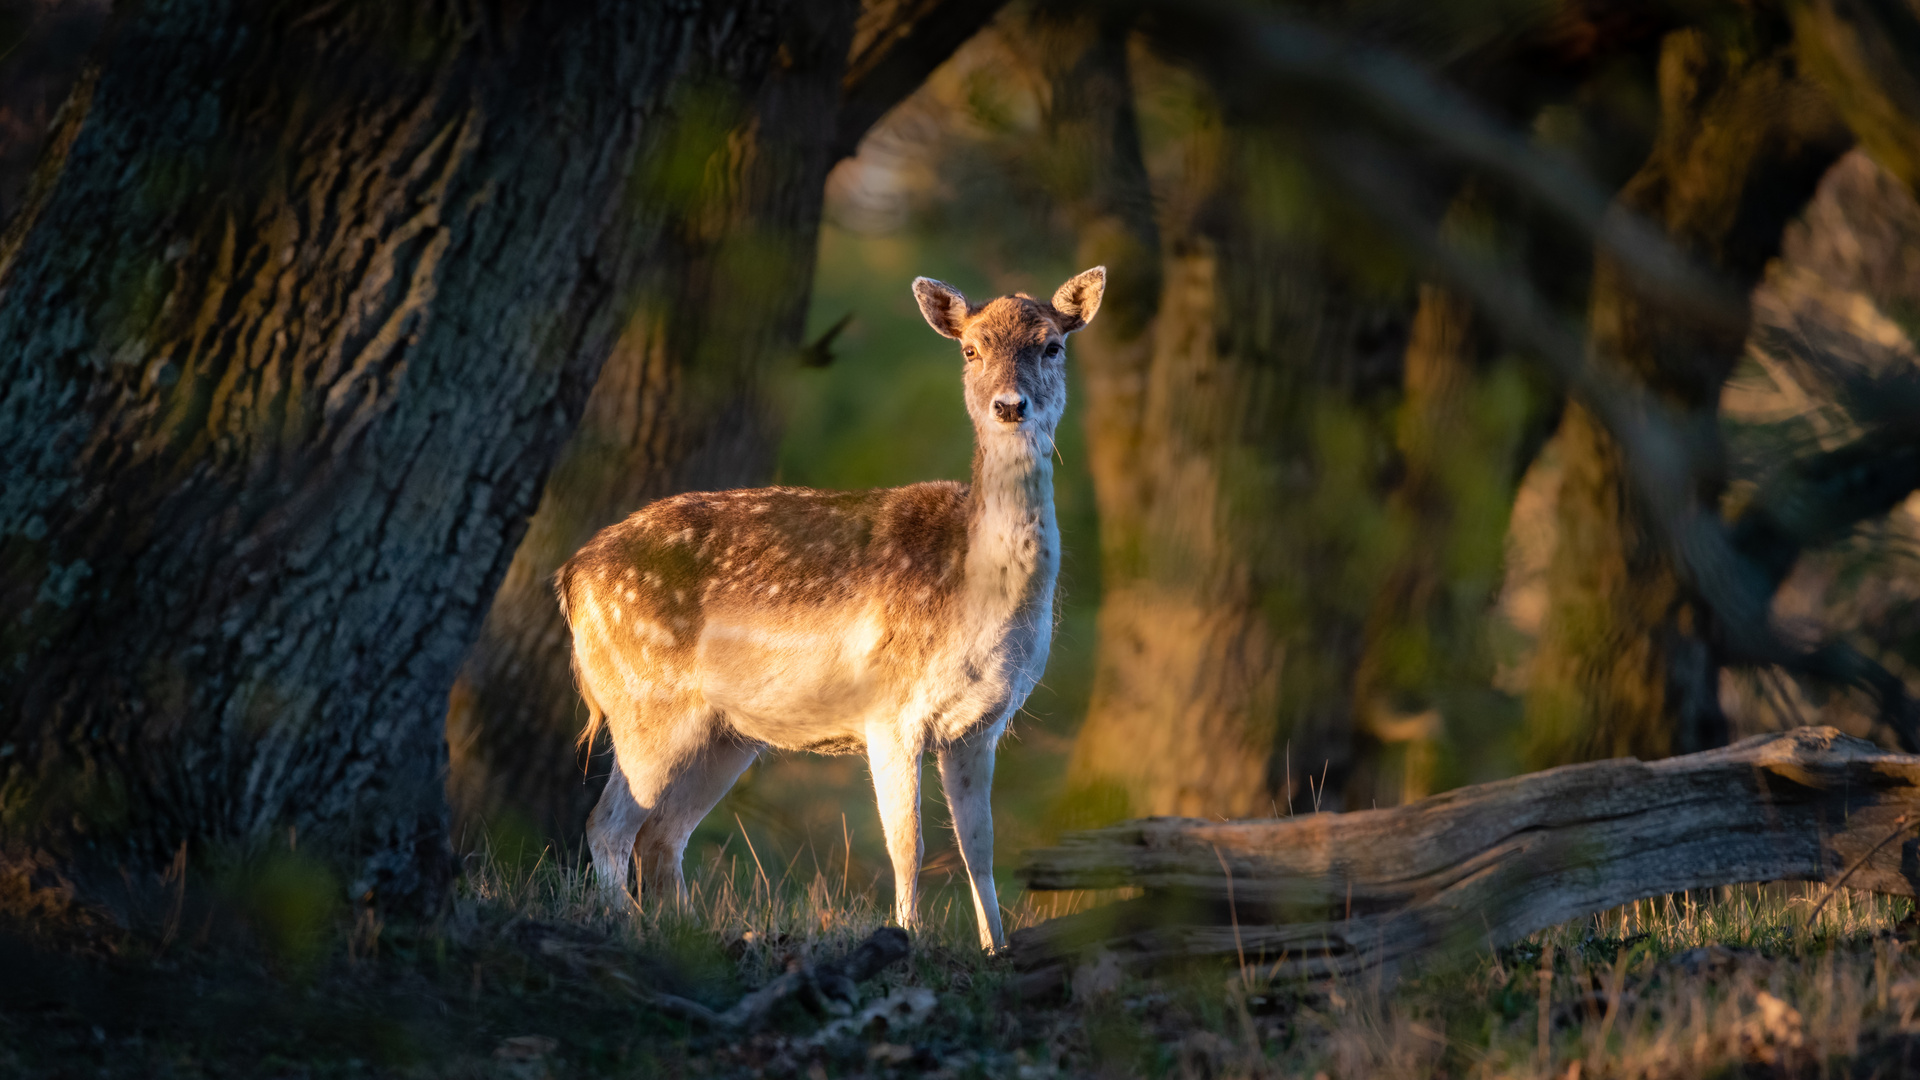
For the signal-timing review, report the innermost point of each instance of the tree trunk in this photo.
(1424, 683)
(1627, 665)
(679, 405)
(1223, 423)
(44, 44)
(300, 309)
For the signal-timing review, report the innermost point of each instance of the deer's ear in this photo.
(1079, 298)
(942, 304)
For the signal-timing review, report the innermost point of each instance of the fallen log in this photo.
(1337, 894)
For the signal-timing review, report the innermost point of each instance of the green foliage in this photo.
(294, 903)
(686, 168)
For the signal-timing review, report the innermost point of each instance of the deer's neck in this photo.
(1013, 540)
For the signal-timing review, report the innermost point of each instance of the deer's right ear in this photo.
(942, 304)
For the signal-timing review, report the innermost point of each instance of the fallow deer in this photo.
(708, 627)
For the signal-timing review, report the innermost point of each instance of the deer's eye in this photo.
(968, 352)
(1053, 349)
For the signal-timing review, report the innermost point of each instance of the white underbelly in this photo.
(800, 683)
(792, 682)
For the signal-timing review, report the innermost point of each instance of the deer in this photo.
(709, 627)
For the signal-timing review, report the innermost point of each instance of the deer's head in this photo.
(1014, 349)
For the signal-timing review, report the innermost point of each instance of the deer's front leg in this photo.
(894, 757)
(966, 772)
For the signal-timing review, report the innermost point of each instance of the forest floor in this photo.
(527, 978)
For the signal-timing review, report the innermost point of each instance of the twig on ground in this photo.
(828, 988)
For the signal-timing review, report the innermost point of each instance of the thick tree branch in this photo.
(1864, 52)
(1824, 496)
(1271, 58)
(896, 45)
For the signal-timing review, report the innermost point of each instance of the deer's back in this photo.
(797, 612)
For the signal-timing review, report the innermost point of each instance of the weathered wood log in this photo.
(1485, 865)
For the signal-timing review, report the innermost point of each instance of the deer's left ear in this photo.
(1079, 298)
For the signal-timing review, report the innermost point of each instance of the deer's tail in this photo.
(596, 716)
(562, 588)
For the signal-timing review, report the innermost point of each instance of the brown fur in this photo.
(709, 626)
(763, 548)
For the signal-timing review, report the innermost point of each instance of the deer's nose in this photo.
(1009, 408)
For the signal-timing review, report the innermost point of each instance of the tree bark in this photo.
(1864, 53)
(44, 44)
(1478, 867)
(1227, 633)
(1627, 663)
(300, 308)
(680, 404)
(1424, 681)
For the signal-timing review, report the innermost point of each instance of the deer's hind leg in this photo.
(611, 828)
(692, 794)
(667, 776)
(653, 742)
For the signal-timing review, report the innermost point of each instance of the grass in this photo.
(530, 976)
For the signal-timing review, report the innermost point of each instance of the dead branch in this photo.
(1482, 866)
(823, 989)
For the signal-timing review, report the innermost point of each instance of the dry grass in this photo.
(532, 976)
(1738, 981)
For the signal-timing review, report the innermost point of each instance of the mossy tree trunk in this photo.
(1424, 685)
(1224, 422)
(679, 405)
(1628, 663)
(301, 307)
